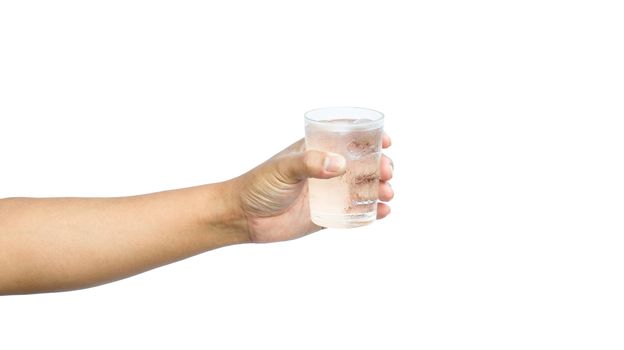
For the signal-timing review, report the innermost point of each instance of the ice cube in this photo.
(360, 121)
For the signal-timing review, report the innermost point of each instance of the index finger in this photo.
(385, 141)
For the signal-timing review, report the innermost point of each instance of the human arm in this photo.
(57, 244)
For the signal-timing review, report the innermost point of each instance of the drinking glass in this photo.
(349, 200)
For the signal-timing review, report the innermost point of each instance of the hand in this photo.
(274, 195)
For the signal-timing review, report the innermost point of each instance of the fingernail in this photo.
(334, 163)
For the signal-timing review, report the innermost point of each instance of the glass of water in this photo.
(349, 200)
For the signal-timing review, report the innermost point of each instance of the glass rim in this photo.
(378, 116)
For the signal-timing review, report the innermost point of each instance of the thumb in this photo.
(311, 163)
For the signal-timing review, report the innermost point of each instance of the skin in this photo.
(61, 244)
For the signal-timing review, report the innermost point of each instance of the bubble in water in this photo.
(360, 148)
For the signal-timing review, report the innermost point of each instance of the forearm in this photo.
(68, 243)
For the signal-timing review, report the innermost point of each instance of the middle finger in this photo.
(386, 168)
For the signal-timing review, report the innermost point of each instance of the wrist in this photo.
(221, 212)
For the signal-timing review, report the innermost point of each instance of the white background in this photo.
(506, 231)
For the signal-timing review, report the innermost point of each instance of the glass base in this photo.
(343, 220)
